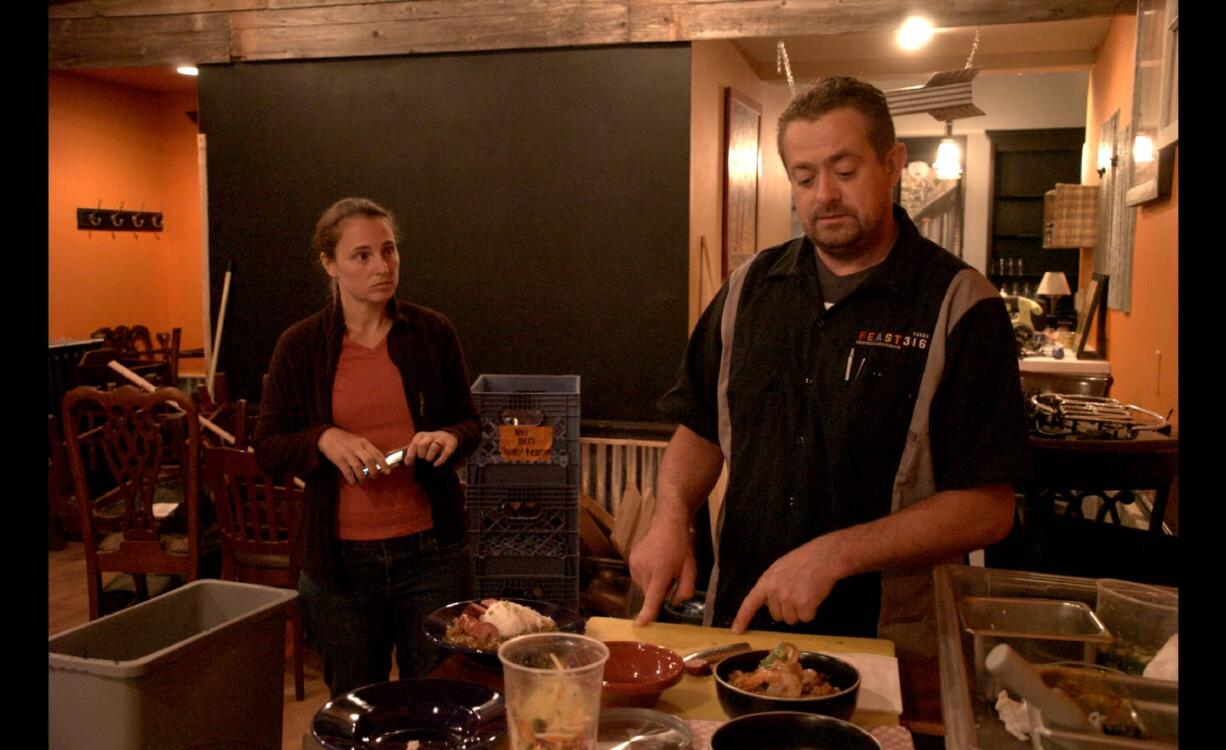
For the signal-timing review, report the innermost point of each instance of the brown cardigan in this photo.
(296, 408)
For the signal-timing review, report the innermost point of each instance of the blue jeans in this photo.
(393, 585)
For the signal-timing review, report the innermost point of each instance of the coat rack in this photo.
(116, 219)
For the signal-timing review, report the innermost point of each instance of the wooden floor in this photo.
(68, 607)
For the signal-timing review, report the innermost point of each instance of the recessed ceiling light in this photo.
(187, 70)
(915, 32)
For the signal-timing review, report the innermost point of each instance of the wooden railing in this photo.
(610, 466)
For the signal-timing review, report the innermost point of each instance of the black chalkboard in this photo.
(543, 197)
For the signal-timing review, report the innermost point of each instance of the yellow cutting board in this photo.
(694, 697)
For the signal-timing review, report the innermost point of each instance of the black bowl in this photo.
(788, 730)
(737, 702)
(439, 620)
(436, 713)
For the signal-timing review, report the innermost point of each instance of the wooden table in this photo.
(693, 697)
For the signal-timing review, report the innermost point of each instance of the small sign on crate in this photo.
(532, 445)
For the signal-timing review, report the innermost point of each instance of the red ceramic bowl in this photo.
(636, 673)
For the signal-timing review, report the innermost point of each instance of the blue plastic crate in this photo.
(560, 590)
(516, 408)
(524, 521)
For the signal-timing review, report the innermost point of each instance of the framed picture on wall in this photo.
(1092, 315)
(1155, 102)
(742, 125)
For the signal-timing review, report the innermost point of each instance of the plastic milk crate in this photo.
(197, 668)
(522, 529)
(560, 590)
(529, 430)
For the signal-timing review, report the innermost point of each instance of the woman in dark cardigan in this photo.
(381, 546)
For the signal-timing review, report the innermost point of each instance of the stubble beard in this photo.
(839, 241)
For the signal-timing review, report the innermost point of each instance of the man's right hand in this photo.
(665, 555)
(350, 453)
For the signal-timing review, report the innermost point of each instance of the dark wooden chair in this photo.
(236, 417)
(58, 490)
(258, 515)
(1060, 535)
(152, 452)
(134, 346)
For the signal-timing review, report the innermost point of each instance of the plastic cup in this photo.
(553, 684)
(1140, 617)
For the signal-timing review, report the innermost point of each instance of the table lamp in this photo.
(1054, 284)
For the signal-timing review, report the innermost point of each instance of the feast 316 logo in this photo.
(913, 340)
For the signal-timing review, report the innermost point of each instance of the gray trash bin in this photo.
(200, 667)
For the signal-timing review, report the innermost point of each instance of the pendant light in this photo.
(948, 165)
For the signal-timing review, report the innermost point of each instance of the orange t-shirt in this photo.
(368, 400)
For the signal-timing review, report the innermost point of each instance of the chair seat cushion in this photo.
(280, 562)
(175, 544)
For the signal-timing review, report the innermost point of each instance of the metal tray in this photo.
(1156, 703)
(1041, 630)
(971, 721)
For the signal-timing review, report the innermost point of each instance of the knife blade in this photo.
(699, 662)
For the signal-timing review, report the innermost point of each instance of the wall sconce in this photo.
(1106, 158)
(948, 165)
(1142, 149)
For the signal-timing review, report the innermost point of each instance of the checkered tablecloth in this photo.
(891, 737)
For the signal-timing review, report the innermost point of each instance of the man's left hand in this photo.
(793, 586)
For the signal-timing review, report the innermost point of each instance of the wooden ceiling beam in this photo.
(142, 41)
(278, 35)
(125, 33)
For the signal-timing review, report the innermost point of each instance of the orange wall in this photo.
(1143, 346)
(115, 143)
(714, 66)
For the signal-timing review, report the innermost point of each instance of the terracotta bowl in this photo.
(737, 702)
(636, 673)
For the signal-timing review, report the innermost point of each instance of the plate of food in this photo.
(412, 715)
(477, 627)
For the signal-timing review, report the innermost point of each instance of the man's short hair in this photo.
(840, 91)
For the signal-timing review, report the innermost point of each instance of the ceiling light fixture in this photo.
(915, 32)
(187, 70)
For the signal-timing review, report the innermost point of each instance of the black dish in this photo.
(786, 730)
(439, 620)
(840, 705)
(389, 715)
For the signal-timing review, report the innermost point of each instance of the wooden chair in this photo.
(144, 443)
(236, 417)
(57, 489)
(1109, 474)
(259, 518)
(134, 346)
